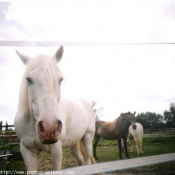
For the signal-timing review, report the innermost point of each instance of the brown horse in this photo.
(118, 129)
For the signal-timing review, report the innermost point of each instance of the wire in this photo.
(55, 43)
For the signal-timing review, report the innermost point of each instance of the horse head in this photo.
(41, 87)
(132, 120)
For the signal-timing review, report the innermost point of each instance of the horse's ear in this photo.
(59, 53)
(134, 112)
(24, 58)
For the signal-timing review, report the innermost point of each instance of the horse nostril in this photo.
(59, 125)
(58, 122)
(41, 127)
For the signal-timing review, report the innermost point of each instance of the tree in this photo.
(150, 120)
(169, 116)
(98, 111)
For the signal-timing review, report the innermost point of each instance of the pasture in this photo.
(107, 151)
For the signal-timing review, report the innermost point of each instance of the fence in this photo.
(159, 130)
(113, 166)
(8, 135)
(6, 126)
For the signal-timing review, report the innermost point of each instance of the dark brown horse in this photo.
(118, 129)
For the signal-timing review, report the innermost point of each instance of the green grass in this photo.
(107, 150)
(151, 146)
(9, 147)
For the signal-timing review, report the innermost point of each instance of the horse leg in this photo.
(120, 148)
(139, 146)
(96, 140)
(56, 153)
(130, 143)
(81, 147)
(131, 149)
(141, 151)
(30, 157)
(125, 146)
(75, 150)
(87, 143)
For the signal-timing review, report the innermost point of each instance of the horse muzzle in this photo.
(48, 132)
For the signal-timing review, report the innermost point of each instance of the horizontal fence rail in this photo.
(159, 135)
(7, 136)
(57, 43)
(118, 165)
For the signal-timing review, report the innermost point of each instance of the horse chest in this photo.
(30, 142)
(121, 133)
(73, 134)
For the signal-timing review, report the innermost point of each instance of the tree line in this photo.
(149, 120)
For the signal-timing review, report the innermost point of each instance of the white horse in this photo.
(46, 122)
(137, 135)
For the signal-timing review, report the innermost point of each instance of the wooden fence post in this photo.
(6, 126)
(0, 127)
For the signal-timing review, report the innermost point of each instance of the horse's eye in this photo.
(29, 81)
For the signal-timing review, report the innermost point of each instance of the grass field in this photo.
(108, 151)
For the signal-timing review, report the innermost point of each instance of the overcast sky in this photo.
(101, 63)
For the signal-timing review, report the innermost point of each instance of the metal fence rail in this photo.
(159, 135)
(120, 164)
(112, 166)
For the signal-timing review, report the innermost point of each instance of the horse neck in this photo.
(122, 126)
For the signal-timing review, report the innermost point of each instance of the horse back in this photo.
(105, 129)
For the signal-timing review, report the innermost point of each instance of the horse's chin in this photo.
(48, 141)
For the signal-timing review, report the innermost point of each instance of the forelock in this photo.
(40, 62)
